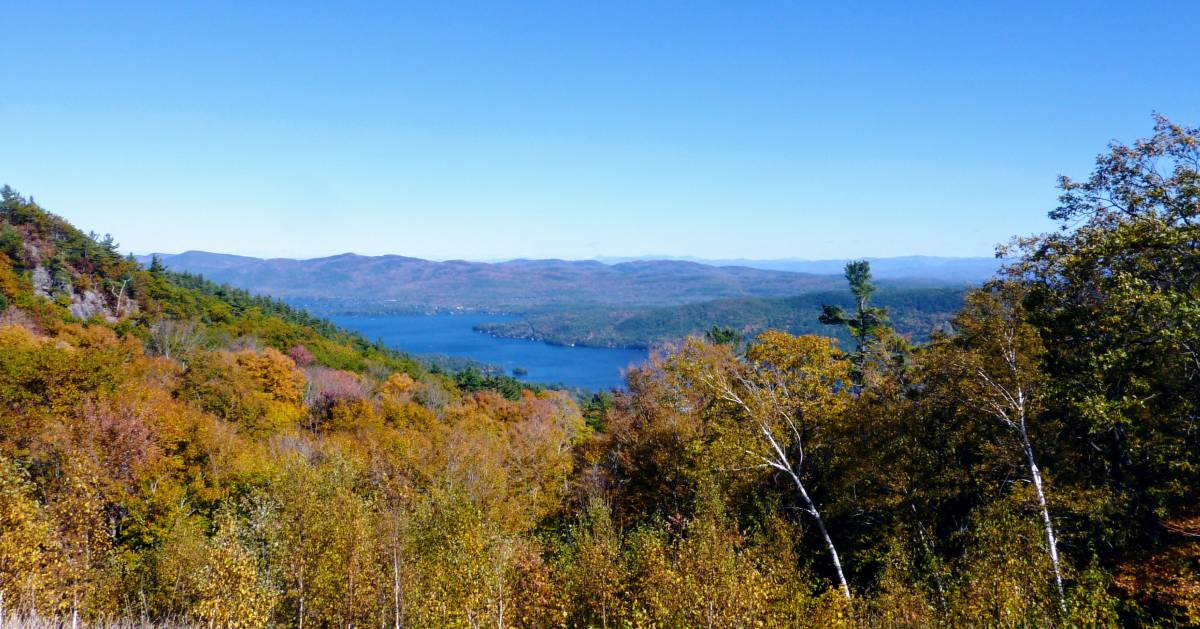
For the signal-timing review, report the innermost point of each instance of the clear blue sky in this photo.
(572, 129)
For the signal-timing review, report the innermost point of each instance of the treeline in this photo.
(1037, 463)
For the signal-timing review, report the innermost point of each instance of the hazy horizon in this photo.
(607, 259)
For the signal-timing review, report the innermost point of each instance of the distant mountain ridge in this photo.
(972, 270)
(516, 285)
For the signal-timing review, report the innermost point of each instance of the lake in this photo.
(452, 334)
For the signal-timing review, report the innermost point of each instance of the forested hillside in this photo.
(172, 451)
(914, 312)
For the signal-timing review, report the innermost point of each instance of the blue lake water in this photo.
(587, 367)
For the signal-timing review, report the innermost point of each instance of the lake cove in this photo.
(453, 335)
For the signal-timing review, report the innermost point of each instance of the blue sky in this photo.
(576, 129)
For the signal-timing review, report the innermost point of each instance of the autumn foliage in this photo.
(190, 453)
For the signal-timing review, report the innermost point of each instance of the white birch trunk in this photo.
(396, 585)
(833, 553)
(1051, 541)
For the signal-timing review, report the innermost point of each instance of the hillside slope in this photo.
(915, 313)
(170, 447)
(54, 276)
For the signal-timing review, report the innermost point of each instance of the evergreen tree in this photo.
(869, 322)
(156, 265)
(723, 336)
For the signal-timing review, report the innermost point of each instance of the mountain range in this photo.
(972, 270)
(405, 283)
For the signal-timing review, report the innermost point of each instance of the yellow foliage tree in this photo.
(231, 592)
(30, 562)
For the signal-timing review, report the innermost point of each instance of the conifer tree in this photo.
(868, 322)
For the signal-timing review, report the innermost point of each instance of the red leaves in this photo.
(302, 356)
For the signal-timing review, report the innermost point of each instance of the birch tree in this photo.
(786, 394)
(1001, 377)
